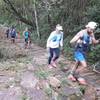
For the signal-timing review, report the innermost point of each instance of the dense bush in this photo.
(94, 55)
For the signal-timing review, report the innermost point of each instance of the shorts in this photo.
(79, 56)
(13, 37)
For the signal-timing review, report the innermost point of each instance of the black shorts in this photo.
(13, 37)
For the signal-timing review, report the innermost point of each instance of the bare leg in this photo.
(80, 70)
(84, 65)
(74, 68)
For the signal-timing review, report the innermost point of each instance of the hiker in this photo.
(82, 40)
(18, 36)
(7, 33)
(13, 34)
(26, 35)
(30, 41)
(54, 45)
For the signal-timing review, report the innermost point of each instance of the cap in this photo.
(91, 25)
(59, 27)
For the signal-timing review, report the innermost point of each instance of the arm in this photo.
(24, 34)
(49, 39)
(61, 41)
(76, 37)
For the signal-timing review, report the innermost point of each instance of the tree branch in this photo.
(18, 15)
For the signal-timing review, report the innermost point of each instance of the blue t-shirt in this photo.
(26, 34)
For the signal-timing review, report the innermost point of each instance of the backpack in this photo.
(85, 45)
(13, 32)
(26, 34)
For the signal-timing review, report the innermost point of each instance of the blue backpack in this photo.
(13, 32)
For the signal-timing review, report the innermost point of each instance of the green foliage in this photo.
(24, 97)
(42, 74)
(94, 55)
(82, 89)
(48, 91)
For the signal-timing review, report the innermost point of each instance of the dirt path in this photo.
(26, 78)
(40, 56)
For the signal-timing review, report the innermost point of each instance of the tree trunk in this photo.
(36, 19)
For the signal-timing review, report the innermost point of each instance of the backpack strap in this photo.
(84, 45)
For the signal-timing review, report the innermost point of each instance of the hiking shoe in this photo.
(54, 64)
(72, 78)
(82, 81)
(50, 66)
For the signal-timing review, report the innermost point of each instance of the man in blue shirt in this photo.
(82, 39)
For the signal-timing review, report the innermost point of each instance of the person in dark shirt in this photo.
(82, 41)
(13, 34)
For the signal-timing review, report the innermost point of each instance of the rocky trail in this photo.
(24, 75)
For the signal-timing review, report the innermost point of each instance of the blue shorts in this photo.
(79, 56)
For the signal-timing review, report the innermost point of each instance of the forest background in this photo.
(41, 17)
